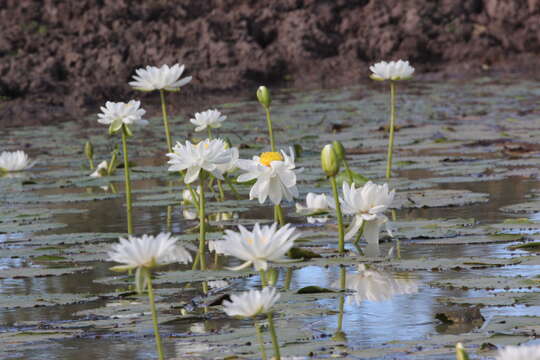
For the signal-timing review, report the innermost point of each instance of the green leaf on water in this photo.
(314, 290)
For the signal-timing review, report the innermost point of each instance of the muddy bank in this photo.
(61, 57)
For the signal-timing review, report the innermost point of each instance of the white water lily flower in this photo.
(189, 214)
(251, 303)
(187, 197)
(101, 169)
(317, 219)
(208, 118)
(275, 176)
(367, 204)
(159, 78)
(148, 252)
(218, 284)
(208, 155)
(233, 164)
(393, 70)
(315, 203)
(519, 353)
(15, 161)
(259, 246)
(116, 114)
(373, 285)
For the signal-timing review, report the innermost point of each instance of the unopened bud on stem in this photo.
(339, 150)
(461, 354)
(263, 95)
(329, 161)
(89, 150)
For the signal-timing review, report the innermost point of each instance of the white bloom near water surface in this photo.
(258, 247)
(393, 70)
(275, 176)
(251, 303)
(208, 118)
(116, 114)
(159, 78)
(148, 252)
(15, 161)
(367, 204)
(315, 203)
(209, 155)
(519, 353)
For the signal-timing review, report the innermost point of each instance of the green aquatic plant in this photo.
(120, 116)
(89, 152)
(144, 254)
(392, 71)
(252, 303)
(330, 166)
(162, 78)
(208, 157)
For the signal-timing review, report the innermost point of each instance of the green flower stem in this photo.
(196, 261)
(272, 329)
(360, 233)
(91, 161)
(264, 283)
(279, 215)
(159, 347)
(341, 239)
(270, 132)
(342, 282)
(112, 163)
(233, 189)
(288, 279)
(194, 196)
(165, 120)
(128, 181)
(221, 192)
(348, 171)
(209, 132)
(392, 125)
(202, 223)
(260, 338)
(169, 218)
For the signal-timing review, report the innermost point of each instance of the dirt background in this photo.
(60, 59)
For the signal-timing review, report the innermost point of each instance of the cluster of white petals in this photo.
(367, 204)
(148, 251)
(375, 285)
(275, 176)
(101, 169)
(260, 246)
(209, 155)
(15, 161)
(159, 78)
(519, 353)
(117, 113)
(315, 203)
(251, 303)
(393, 70)
(208, 118)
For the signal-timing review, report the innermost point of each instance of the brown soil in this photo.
(60, 57)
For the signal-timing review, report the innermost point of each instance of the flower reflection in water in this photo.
(375, 285)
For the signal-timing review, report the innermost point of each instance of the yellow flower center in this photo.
(268, 157)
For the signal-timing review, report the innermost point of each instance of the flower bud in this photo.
(89, 150)
(461, 354)
(263, 94)
(329, 161)
(339, 149)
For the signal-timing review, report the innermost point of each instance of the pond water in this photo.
(466, 165)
